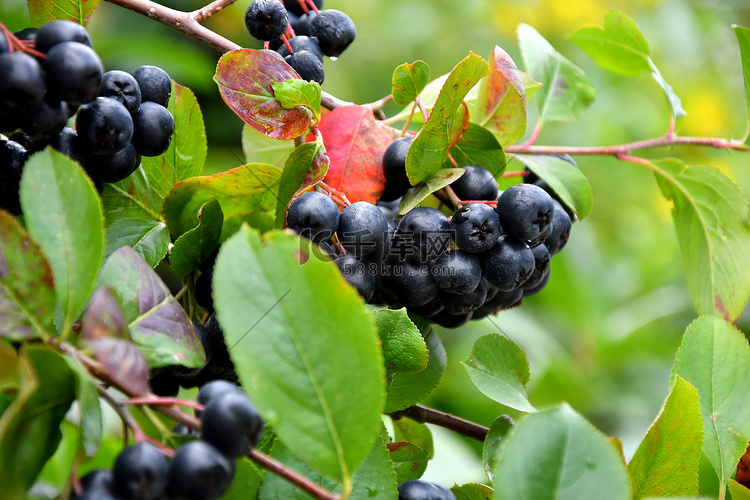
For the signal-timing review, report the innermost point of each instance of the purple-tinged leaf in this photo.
(123, 363)
(103, 317)
(502, 99)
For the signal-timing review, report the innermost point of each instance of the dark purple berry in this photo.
(121, 87)
(139, 473)
(307, 65)
(334, 30)
(394, 169)
(74, 72)
(425, 231)
(232, 425)
(509, 264)
(153, 126)
(358, 274)
(22, 86)
(423, 490)
(112, 167)
(314, 216)
(294, 7)
(266, 19)
(525, 211)
(477, 183)
(199, 472)
(560, 232)
(362, 229)
(457, 272)
(300, 43)
(475, 228)
(155, 84)
(104, 126)
(58, 31)
(46, 121)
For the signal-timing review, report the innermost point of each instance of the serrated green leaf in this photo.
(710, 215)
(259, 148)
(246, 194)
(30, 427)
(63, 214)
(90, 421)
(557, 455)
(666, 462)
(564, 179)
(715, 358)
(408, 81)
(406, 429)
(619, 46)
(129, 223)
(743, 38)
(429, 149)
(409, 461)
(404, 349)
(473, 491)
(246, 482)
(414, 196)
(406, 389)
(566, 91)
(196, 245)
(499, 369)
(494, 441)
(292, 93)
(158, 324)
(187, 151)
(44, 11)
(501, 106)
(478, 146)
(27, 294)
(302, 306)
(738, 491)
(306, 165)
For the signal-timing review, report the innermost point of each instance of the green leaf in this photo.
(715, 358)
(306, 165)
(404, 349)
(430, 147)
(478, 146)
(743, 38)
(245, 194)
(710, 216)
(90, 411)
(494, 441)
(666, 462)
(501, 106)
(409, 80)
(246, 482)
(557, 454)
(566, 91)
(414, 196)
(406, 429)
(619, 46)
(59, 468)
(129, 223)
(30, 427)
(409, 461)
(196, 245)
(499, 369)
(259, 148)
(8, 368)
(407, 389)
(157, 322)
(564, 179)
(674, 102)
(44, 11)
(473, 491)
(738, 491)
(27, 294)
(63, 214)
(282, 305)
(294, 92)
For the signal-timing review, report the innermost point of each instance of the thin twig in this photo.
(462, 426)
(282, 470)
(210, 9)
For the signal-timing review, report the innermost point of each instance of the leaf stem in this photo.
(425, 415)
(454, 199)
(209, 10)
(163, 401)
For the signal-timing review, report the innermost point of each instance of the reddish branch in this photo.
(426, 415)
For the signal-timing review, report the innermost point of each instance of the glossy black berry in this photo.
(3, 44)
(26, 34)
(266, 19)
(294, 6)
(121, 87)
(475, 227)
(307, 65)
(426, 230)
(334, 30)
(423, 490)
(139, 473)
(457, 271)
(104, 126)
(362, 229)
(74, 72)
(528, 292)
(300, 43)
(477, 183)
(216, 389)
(303, 23)
(112, 167)
(46, 121)
(448, 320)
(501, 300)
(97, 480)
(525, 211)
(199, 472)
(232, 425)
(153, 126)
(58, 31)
(429, 309)
(12, 159)
(389, 208)
(67, 143)
(164, 384)
(542, 260)
(155, 84)
(358, 274)
(394, 169)
(410, 282)
(314, 216)
(22, 86)
(458, 304)
(509, 264)
(560, 232)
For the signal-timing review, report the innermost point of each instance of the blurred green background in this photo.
(603, 334)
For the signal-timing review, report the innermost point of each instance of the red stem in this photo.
(515, 173)
(303, 4)
(286, 42)
(163, 401)
(313, 6)
(492, 203)
(423, 108)
(534, 135)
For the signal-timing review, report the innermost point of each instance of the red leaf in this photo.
(244, 78)
(355, 142)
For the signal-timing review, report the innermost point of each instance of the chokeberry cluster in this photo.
(302, 33)
(423, 490)
(201, 469)
(451, 269)
(56, 75)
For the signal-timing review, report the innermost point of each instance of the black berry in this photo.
(139, 473)
(475, 227)
(314, 216)
(22, 87)
(155, 84)
(112, 167)
(300, 43)
(358, 275)
(307, 65)
(560, 232)
(294, 6)
(394, 169)
(334, 30)
(457, 272)
(509, 264)
(426, 231)
(231, 424)
(104, 126)
(59, 31)
(74, 72)
(266, 19)
(153, 126)
(525, 211)
(477, 183)
(423, 490)
(121, 87)
(362, 229)
(199, 472)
